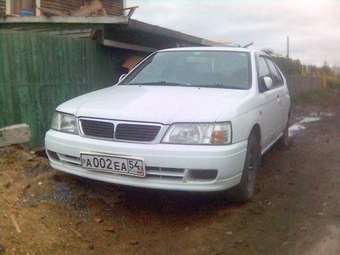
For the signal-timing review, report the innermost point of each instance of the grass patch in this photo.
(333, 83)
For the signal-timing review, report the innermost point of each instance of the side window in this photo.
(263, 70)
(263, 67)
(277, 79)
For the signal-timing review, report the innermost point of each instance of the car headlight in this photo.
(205, 133)
(64, 122)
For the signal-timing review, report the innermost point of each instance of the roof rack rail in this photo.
(237, 45)
(248, 45)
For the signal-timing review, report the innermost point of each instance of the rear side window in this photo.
(276, 76)
(280, 73)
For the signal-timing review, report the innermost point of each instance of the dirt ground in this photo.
(296, 209)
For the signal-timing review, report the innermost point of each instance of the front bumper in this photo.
(159, 159)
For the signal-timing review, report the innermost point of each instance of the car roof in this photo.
(237, 49)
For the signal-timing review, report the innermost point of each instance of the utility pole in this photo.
(288, 47)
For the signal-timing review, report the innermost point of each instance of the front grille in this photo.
(100, 129)
(136, 132)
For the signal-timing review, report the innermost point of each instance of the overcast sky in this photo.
(313, 25)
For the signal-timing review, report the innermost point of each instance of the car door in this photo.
(283, 98)
(269, 110)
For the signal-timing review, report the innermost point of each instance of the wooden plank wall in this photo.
(112, 7)
(62, 5)
(2, 8)
(38, 71)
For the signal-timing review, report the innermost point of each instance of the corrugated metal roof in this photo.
(161, 31)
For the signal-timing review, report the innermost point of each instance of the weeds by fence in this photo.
(299, 84)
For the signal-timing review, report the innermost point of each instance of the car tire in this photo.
(245, 190)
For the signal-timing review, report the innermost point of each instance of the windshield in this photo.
(219, 69)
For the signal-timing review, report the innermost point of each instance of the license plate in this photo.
(113, 164)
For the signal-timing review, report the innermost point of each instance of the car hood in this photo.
(159, 104)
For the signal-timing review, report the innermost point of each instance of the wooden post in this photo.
(8, 7)
(37, 7)
(288, 47)
(324, 81)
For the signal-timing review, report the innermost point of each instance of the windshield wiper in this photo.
(160, 83)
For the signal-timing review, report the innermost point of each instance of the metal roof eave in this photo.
(161, 31)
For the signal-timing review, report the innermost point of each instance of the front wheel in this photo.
(245, 190)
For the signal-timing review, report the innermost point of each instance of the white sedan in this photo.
(189, 119)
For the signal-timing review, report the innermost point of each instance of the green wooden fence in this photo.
(39, 70)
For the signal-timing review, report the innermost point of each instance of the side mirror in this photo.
(268, 82)
(122, 77)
